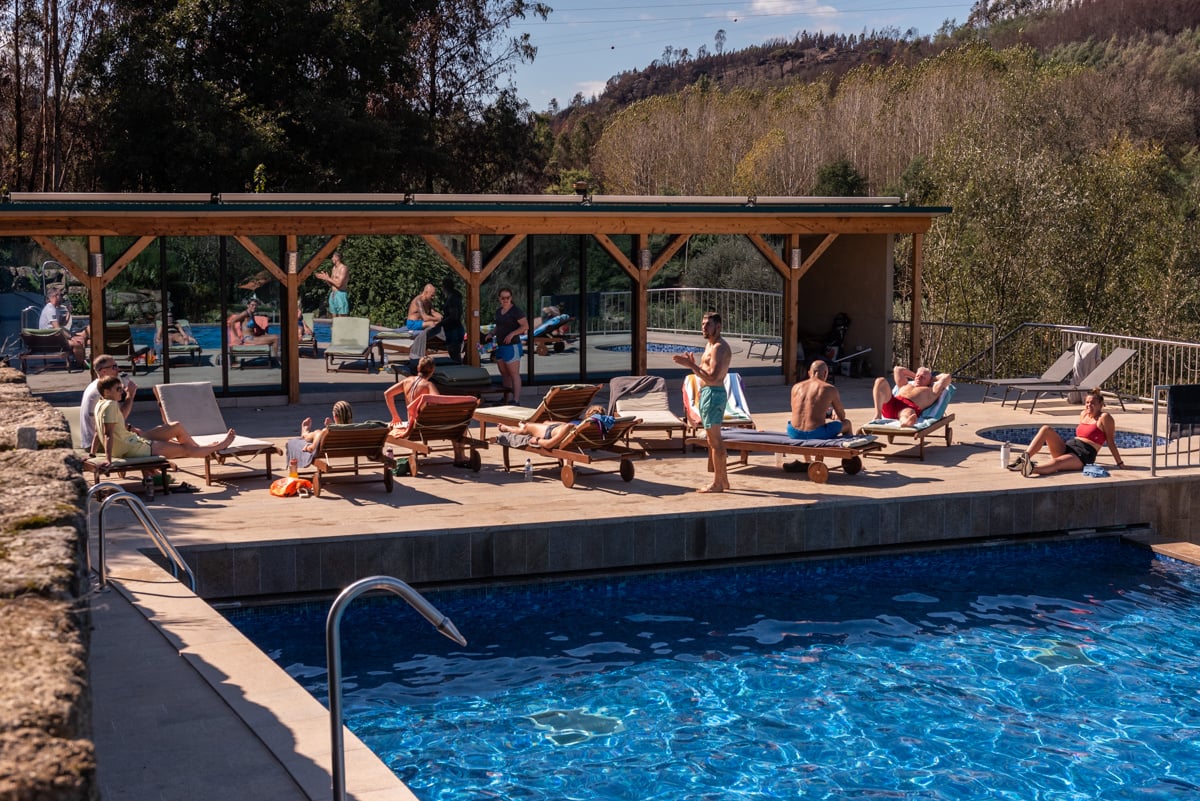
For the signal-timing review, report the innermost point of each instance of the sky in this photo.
(585, 42)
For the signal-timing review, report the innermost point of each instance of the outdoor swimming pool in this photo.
(1066, 670)
(655, 347)
(1023, 435)
(209, 334)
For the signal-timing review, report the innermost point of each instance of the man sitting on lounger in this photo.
(918, 391)
(813, 401)
(421, 315)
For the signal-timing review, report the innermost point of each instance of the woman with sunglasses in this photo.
(511, 325)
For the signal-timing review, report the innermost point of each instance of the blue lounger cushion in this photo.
(780, 438)
(927, 418)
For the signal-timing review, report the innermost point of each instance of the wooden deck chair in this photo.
(930, 422)
(195, 405)
(587, 444)
(1055, 373)
(849, 451)
(45, 345)
(307, 341)
(563, 402)
(353, 448)
(350, 341)
(1093, 380)
(439, 418)
(545, 336)
(646, 397)
(737, 410)
(170, 350)
(147, 466)
(118, 343)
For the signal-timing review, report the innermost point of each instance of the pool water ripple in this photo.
(1028, 672)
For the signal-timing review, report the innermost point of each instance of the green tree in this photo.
(840, 179)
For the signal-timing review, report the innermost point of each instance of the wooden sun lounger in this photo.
(45, 345)
(586, 445)
(353, 449)
(564, 402)
(850, 454)
(439, 418)
(148, 466)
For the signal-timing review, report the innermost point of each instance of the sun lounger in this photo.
(586, 444)
(192, 350)
(353, 449)
(849, 450)
(930, 422)
(737, 410)
(243, 355)
(350, 341)
(195, 406)
(646, 397)
(118, 343)
(564, 402)
(1093, 380)
(45, 345)
(439, 418)
(545, 338)
(1055, 373)
(147, 466)
(1182, 425)
(307, 341)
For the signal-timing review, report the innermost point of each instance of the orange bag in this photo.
(288, 487)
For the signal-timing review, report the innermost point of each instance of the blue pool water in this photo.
(1023, 435)
(1047, 671)
(655, 347)
(209, 334)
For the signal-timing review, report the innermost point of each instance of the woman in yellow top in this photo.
(170, 440)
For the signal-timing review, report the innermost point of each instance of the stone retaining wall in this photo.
(46, 752)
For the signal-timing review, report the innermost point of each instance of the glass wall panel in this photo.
(253, 327)
(607, 309)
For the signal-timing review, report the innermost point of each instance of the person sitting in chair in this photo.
(57, 314)
(175, 334)
(813, 400)
(244, 329)
(305, 447)
(170, 440)
(917, 392)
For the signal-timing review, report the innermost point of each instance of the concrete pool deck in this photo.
(185, 708)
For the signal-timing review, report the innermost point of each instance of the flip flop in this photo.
(184, 487)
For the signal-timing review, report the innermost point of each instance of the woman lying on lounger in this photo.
(170, 440)
(549, 435)
(1096, 428)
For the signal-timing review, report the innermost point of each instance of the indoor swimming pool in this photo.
(1052, 670)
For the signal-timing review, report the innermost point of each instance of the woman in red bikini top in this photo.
(1096, 428)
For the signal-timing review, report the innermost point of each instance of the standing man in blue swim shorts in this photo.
(712, 369)
(338, 279)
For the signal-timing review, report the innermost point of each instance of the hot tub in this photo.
(1023, 435)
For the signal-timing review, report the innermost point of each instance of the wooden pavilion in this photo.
(814, 231)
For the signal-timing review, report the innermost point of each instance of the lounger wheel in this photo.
(389, 481)
(627, 469)
(475, 462)
(818, 472)
(567, 474)
(949, 435)
(559, 346)
(852, 465)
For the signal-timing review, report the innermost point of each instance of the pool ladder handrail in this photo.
(149, 525)
(333, 657)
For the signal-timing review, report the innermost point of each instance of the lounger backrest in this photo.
(938, 409)
(350, 333)
(737, 409)
(1062, 366)
(588, 436)
(441, 416)
(565, 402)
(192, 403)
(118, 338)
(45, 340)
(354, 439)
(1106, 369)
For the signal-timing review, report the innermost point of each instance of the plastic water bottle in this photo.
(1005, 451)
(390, 452)
(148, 487)
(529, 470)
(293, 469)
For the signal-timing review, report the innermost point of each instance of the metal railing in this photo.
(333, 657)
(973, 351)
(744, 313)
(149, 524)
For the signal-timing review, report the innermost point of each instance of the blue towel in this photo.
(1094, 471)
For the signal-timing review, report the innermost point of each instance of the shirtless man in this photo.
(338, 278)
(420, 311)
(918, 391)
(812, 400)
(712, 369)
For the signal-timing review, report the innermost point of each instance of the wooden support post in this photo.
(915, 332)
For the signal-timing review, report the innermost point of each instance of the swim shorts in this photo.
(896, 404)
(414, 325)
(509, 353)
(339, 303)
(712, 405)
(828, 431)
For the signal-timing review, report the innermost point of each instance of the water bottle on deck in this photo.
(1005, 452)
(529, 470)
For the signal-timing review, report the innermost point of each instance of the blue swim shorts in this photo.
(339, 303)
(828, 431)
(414, 325)
(509, 353)
(712, 405)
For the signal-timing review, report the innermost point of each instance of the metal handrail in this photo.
(149, 524)
(333, 656)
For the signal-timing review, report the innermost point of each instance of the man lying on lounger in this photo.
(813, 401)
(918, 391)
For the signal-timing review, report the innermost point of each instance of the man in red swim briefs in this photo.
(918, 391)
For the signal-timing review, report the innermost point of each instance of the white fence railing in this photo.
(744, 313)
